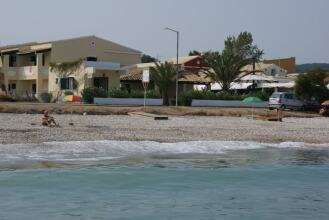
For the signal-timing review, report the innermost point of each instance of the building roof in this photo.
(259, 67)
(133, 75)
(37, 46)
(181, 60)
(199, 78)
(188, 77)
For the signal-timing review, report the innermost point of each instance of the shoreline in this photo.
(25, 128)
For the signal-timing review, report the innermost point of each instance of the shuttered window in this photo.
(68, 83)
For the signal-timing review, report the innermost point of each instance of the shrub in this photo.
(152, 94)
(6, 98)
(45, 97)
(312, 85)
(262, 95)
(186, 98)
(229, 96)
(88, 94)
(119, 93)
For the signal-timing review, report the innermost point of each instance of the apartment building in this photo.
(25, 69)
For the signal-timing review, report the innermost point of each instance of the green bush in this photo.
(262, 95)
(45, 97)
(186, 98)
(88, 94)
(312, 85)
(229, 96)
(119, 93)
(151, 94)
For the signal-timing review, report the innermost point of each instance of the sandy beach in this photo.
(25, 128)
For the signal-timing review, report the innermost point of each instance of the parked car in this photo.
(285, 100)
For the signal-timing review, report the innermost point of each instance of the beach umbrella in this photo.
(72, 98)
(325, 102)
(252, 100)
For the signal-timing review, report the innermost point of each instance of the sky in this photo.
(282, 28)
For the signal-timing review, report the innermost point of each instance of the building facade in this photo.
(288, 64)
(26, 68)
(192, 67)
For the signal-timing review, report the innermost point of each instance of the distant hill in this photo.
(302, 68)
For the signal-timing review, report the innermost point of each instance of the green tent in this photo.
(252, 99)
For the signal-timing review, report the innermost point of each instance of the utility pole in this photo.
(253, 72)
(177, 67)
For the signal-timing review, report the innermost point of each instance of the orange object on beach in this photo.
(72, 98)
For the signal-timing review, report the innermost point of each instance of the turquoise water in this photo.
(148, 180)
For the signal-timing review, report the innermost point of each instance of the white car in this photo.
(285, 100)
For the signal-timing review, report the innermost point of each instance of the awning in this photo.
(250, 77)
(92, 67)
(234, 86)
(287, 85)
(26, 52)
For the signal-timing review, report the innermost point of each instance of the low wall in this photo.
(227, 103)
(128, 101)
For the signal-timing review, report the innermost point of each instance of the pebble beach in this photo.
(25, 128)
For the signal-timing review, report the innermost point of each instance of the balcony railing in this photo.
(25, 72)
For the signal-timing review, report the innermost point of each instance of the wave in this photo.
(107, 149)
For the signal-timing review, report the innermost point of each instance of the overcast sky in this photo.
(283, 28)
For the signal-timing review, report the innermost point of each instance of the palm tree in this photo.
(224, 68)
(164, 76)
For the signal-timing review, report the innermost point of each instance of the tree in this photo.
(243, 46)
(225, 67)
(163, 75)
(194, 53)
(148, 59)
(312, 85)
(68, 69)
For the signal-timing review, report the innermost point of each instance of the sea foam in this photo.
(108, 149)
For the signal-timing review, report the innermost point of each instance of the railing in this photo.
(23, 72)
(23, 94)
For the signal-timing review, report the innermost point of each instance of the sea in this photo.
(151, 180)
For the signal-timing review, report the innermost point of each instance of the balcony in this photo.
(26, 72)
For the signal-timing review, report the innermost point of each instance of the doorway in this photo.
(34, 88)
(101, 82)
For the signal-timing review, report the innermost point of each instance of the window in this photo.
(94, 59)
(34, 88)
(289, 96)
(43, 59)
(273, 72)
(68, 83)
(12, 60)
(33, 60)
(11, 86)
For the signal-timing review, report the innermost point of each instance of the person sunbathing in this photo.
(48, 120)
